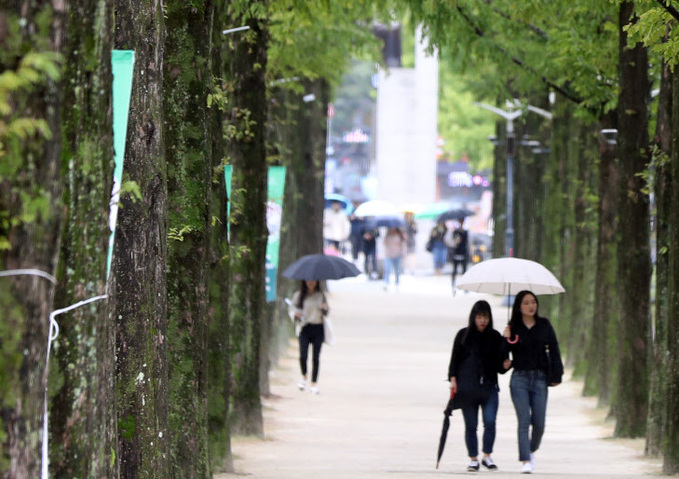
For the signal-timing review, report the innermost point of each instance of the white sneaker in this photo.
(301, 384)
(314, 390)
(527, 468)
(532, 460)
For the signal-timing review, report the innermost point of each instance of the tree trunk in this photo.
(662, 187)
(139, 305)
(558, 212)
(83, 419)
(499, 192)
(671, 452)
(188, 81)
(582, 264)
(633, 251)
(219, 344)
(248, 223)
(601, 358)
(32, 215)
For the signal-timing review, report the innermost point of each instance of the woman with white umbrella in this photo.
(537, 364)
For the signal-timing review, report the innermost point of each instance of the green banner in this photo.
(228, 174)
(122, 62)
(274, 213)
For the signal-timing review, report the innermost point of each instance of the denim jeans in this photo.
(471, 421)
(529, 395)
(440, 252)
(392, 264)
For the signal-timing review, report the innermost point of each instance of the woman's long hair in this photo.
(480, 307)
(517, 317)
(304, 291)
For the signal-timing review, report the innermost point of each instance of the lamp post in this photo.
(509, 117)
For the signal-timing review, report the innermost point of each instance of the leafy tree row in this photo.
(585, 209)
(153, 379)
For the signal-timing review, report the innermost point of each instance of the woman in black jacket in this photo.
(537, 364)
(478, 355)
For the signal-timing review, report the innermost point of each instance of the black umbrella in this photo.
(386, 221)
(319, 267)
(454, 214)
(446, 425)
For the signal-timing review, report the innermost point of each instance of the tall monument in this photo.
(407, 106)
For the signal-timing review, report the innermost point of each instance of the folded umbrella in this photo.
(446, 425)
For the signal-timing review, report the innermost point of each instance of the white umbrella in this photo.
(509, 276)
(376, 208)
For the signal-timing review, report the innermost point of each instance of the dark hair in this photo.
(304, 290)
(480, 308)
(517, 317)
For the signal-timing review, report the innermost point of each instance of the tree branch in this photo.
(670, 9)
(569, 95)
(537, 30)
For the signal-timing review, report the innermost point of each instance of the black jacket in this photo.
(529, 352)
(475, 361)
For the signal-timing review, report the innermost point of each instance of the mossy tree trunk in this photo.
(246, 148)
(138, 273)
(219, 360)
(633, 247)
(529, 174)
(83, 418)
(499, 192)
(188, 81)
(582, 261)
(31, 221)
(601, 355)
(671, 436)
(558, 213)
(662, 187)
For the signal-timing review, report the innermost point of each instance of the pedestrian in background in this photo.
(311, 308)
(394, 251)
(356, 236)
(437, 246)
(459, 249)
(478, 356)
(411, 242)
(336, 226)
(369, 236)
(537, 364)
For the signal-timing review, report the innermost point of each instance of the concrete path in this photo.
(383, 392)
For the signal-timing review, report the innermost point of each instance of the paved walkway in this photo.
(383, 391)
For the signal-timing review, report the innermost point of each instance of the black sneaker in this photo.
(489, 464)
(473, 466)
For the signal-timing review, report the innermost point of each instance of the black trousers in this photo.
(460, 262)
(311, 334)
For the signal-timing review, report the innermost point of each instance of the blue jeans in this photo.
(529, 395)
(389, 265)
(471, 421)
(440, 252)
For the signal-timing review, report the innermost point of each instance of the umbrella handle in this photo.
(513, 341)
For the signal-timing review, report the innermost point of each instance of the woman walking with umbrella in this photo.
(478, 356)
(311, 308)
(537, 364)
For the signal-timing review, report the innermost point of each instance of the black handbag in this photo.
(430, 245)
(471, 386)
(553, 375)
